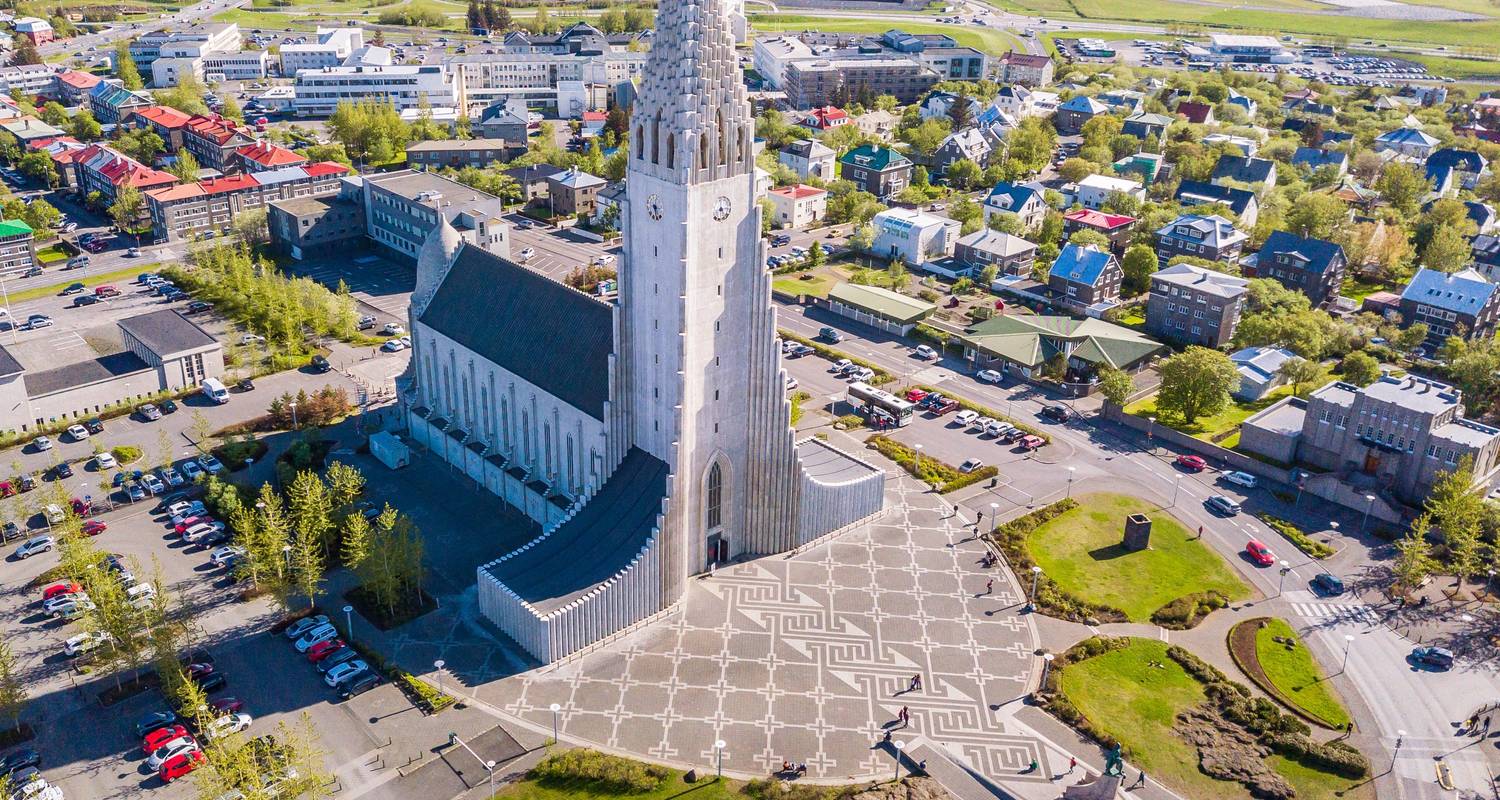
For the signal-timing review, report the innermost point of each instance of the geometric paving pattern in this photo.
(807, 658)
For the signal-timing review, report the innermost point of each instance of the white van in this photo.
(213, 389)
(55, 514)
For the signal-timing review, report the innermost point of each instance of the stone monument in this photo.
(1137, 532)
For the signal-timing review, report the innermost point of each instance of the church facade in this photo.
(650, 439)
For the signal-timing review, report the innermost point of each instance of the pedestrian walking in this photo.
(978, 518)
(1200, 531)
(989, 586)
(1141, 779)
(1486, 725)
(904, 716)
(1072, 765)
(916, 682)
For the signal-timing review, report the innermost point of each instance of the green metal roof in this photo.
(872, 157)
(14, 227)
(1030, 341)
(882, 303)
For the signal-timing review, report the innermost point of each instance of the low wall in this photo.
(1209, 450)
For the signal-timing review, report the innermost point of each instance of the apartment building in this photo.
(830, 81)
(213, 37)
(213, 141)
(401, 209)
(193, 209)
(1449, 305)
(1195, 305)
(164, 121)
(485, 79)
(98, 168)
(319, 91)
(1208, 237)
(333, 45)
(17, 247)
(1026, 69)
(458, 153)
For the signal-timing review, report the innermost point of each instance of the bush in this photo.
(969, 479)
(798, 398)
(611, 774)
(323, 407)
(126, 454)
(851, 421)
(1189, 610)
(926, 469)
(422, 695)
(1050, 599)
(1308, 545)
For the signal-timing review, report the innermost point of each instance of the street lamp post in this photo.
(1400, 738)
(1071, 470)
(293, 407)
(349, 621)
(438, 665)
(1150, 434)
(1176, 484)
(1036, 573)
(1369, 506)
(489, 766)
(918, 448)
(1285, 568)
(995, 519)
(899, 747)
(719, 757)
(1348, 640)
(555, 708)
(1046, 669)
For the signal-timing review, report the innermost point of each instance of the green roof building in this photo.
(889, 311)
(1022, 344)
(17, 246)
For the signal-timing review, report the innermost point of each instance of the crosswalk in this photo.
(1337, 612)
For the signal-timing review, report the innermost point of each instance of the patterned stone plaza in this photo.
(805, 657)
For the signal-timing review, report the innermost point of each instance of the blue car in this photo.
(1327, 585)
(119, 480)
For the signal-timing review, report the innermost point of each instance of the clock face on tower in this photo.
(721, 208)
(653, 207)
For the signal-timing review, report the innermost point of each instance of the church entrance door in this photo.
(718, 548)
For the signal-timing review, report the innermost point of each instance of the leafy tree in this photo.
(926, 136)
(1448, 250)
(125, 67)
(230, 108)
(1195, 383)
(25, 53)
(38, 166)
(128, 209)
(1458, 508)
(141, 144)
(964, 174)
(13, 694)
(328, 152)
(1076, 169)
(345, 484)
(1403, 186)
(54, 114)
(816, 255)
(84, 127)
(363, 127)
(1138, 264)
(186, 96)
(185, 167)
(1360, 368)
(41, 215)
(1265, 294)
(251, 226)
(310, 523)
(1316, 216)
(1410, 338)
(1414, 561)
(1084, 237)
(1298, 372)
(1115, 385)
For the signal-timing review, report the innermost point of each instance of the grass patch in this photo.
(798, 398)
(811, 285)
(96, 279)
(1314, 784)
(1081, 552)
(51, 254)
(1221, 427)
(1277, 659)
(569, 776)
(1357, 289)
(1308, 545)
(126, 454)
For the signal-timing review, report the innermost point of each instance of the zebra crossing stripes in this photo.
(1337, 612)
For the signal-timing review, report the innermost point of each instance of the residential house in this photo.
(532, 180)
(1311, 266)
(1314, 158)
(573, 192)
(1463, 303)
(1246, 145)
(1026, 69)
(1144, 125)
(1022, 344)
(799, 206)
(73, 87)
(1115, 227)
(1195, 305)
(264, 156)
(111, 103)
(881, 171)
(1147, 166)
(1195, 112)
(1260, 370)
(1212, 237)
(62, 151)
(1408, 142)
(210, 206)
(825, 118)
(1483, 216)
(968, 144)
(39, 31)
(17, 247)
(1023, 201)
(1242, 202)
(1011, 255)
(1072, 114)
(1258, 172)
(98, 168)
(1451, 170)
(939, 105)
(502, 122)
(877, 124)
(1485, 250)
(1122, 101)
(1250, 106)
(912, 236)
(1087, 277)
(459, 153)
(1095, 190)
(164, 121)
(809, 158)
(25, 130)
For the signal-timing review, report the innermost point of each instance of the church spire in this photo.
(692, 120)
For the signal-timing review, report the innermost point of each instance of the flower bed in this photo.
(1308, 545)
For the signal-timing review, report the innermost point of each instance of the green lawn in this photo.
(1223, 426)
(94, 279)
(1357, 290)
(51, 254)
(1314, 785)
(816, 286)
(990, 40)
(1297, 675)
(1081, 552)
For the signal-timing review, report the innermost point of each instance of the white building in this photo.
(332, 47)
(209, 52)
(809, 158)
(799, 206)
(1237, 48)
(772, 54)
(540, 80)
(912, 236)
(319, 91)
(651, 438)
(28, 79)
(1094, 190)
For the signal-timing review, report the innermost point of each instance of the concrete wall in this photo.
(15, 406)
(92, 398)
(826, 508)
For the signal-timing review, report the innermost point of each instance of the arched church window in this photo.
(723, 134)
(656, 141)
(671, 151)
(713, 509)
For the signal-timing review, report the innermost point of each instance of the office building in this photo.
(407, 88)
(402, 209)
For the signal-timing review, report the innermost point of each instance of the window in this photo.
(713, 510)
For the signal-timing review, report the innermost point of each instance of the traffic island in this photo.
(1276, 659)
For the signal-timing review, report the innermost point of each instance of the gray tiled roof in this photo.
(85, 372)
(596, 543)
(547, 333)
(166, 332)
(8, 363)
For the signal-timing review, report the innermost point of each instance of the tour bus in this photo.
(882, 405)
(213, 389)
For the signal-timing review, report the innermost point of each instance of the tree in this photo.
(128, 208)
(926, 136)
(1115, 385)
(186, 96)
(328, 152)
(1414, 561)
(13, 694)
(41, 215)
(1458, 508)
(896, 275)
(38, 166)
(1083, 237)
(345, 484)
(1138, 264)
(252, 227)
(862, 238)
(54, 114)
(1411, 338)
(125, 67)
(355, 543)
(963, 174)
(816, 255)
(84, 127)
(230, 108)
(1196, 382)
(1076, 169)
(1402, 186)
(310, 523)
(1316, 216)
(1299, 372)
(270, 533)
(1448, 249)
(960, 111)
(1360, 368)
(141, 144)
(185, 167)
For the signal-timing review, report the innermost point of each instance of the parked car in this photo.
(1259, 553)
(84, 642)
(213, 682)
(227, 724)
(301, 626)
(970, 465)
(59, 589)
(393, 329)
(319, 634)
(41, 443)
(180, 765)
(149, 412)
(318, 651)
(154, 721)
(1055, 413)
(966, 417)
(366, 322)
(320, 364)
(1239, 478)
(358, 685)
(94, 527)
(1435, 657)
(17, 760)
(62, 470)
(1327, 584)
(159, 738)
(224, 555)
(393, 346)
(830, 335)
(171, 476)
(926, 353)
(34, 545)
(73, 288)
(1219, 504)
(1032, 442)
(988, 376)
(191, 471)
(344, 672)
(152, 484)
(211, 464)
(1191, 463)
(78, 433)
(105, 461)
(169, 406)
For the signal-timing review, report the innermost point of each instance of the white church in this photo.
(651, 439)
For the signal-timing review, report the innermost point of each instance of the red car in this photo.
(94, 527)
(1259, 553)
(1032, 442)
(318, 651)
(915, 395)
(180, 765)
(227, 705)
(60, 589)
(190, 522)
(81, 508)
(199, 671)
(1191, 463)
(161, 736)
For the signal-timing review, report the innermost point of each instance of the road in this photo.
(113, 33)
(1395, 696)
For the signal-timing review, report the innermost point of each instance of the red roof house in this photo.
(825, 118)
(265, 155)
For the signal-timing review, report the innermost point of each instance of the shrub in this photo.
(422, 695)
(1308, 545)
(926, 469)
(798, 398)
(1189, 610)
(851, 421)
(969, 479)
(126, 454)
(611, 774)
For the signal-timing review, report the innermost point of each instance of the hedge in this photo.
(1308, 545)
(927, 469)
(422, 695)
(986, 411)
(1050, 599)
(1187, 611)
(609, 774)
(126, 454)
(824, 351)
